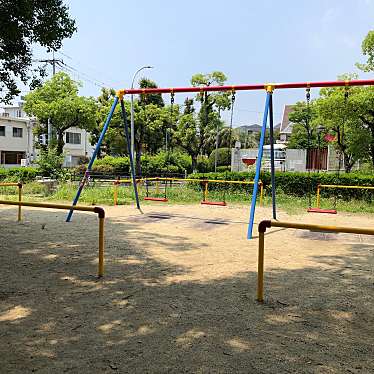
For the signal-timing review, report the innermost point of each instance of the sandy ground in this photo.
(178, 294)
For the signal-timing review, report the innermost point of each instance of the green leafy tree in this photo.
(114, 142)
(339, 115)
(151, 121)
(23, 23)
(50, 163)
(304, 134)
(368, 50)
(58, 101)
(211, 105)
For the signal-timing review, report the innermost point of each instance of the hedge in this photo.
(19, 174)
(297, 184)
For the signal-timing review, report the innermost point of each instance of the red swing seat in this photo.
(159, 199)
(217, 203)
(319, 210)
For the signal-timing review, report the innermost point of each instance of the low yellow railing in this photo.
(19, 185)
(205, 182)
(98, 210)
(320, 186)
(263, 225)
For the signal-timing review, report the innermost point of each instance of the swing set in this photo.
(268, 115)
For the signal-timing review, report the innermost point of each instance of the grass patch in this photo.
(96, 194)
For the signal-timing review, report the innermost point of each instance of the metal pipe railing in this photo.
(98, 210)
(263, 225)
(19, 185)
(337, 186)
(247, 87)
(204, 181)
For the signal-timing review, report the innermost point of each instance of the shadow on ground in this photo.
(55, 316)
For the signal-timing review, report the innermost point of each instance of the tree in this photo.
(114, 142)
(368, 50)
(23, 23)
(338, 114)
(303, 132)
(211, 105)
(151, 121)
(58, 101)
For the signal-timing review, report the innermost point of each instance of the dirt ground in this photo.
(178, 295)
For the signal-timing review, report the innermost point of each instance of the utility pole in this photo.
(53, 61)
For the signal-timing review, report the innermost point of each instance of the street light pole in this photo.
(132, 110)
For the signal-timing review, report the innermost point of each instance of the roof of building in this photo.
(286, 125)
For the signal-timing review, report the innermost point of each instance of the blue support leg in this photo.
(258, 166)
(93, 158)
(132, 168)
(272, 163)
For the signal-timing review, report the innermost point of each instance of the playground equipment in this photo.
(268, 110)
(98, 210)
(318, 209)
(204, 182)
(19, 186)
(335, 186)
(263, 225)
(155, 198)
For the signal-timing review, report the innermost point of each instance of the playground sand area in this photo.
(178, 294)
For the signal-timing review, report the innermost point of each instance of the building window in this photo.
(5, 114)
(2, 130)
(17, 132)
(73, 138)
(19, 113)
(12, 158)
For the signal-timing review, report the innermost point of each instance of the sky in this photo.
(250, 41)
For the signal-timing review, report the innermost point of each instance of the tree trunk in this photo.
(60, 142)
(371, 127)
(138, 159)
(194, 163)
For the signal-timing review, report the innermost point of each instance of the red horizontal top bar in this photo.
(249, 87)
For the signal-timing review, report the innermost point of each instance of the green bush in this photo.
(163, 163)
(19, 174)
(297, 184)
(50, 163)
(223, 159)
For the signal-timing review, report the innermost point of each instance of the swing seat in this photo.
(217, 203)
(319, 210)
(159, 199)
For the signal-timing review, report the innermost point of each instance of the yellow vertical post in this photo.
(318, 195)
(261, 193)
(158, 186)
(260, 270)
(19, 200)
(101, 247)
(115, 193)
(206, 190)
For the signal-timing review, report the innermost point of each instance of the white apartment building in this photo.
(17, 141)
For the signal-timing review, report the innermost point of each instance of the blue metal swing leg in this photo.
(258, 166)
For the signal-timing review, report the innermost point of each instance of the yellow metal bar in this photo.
(20, 201)
(98, 210)
(261, 194)
(101, 247)
(188, 180)
(318, 198)
(115, 193)
(260, 268)
(205, 190)
(51, 206)
(338, 186)
(305, 226)
(263, 225)
(9, 184)
(157, 186)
